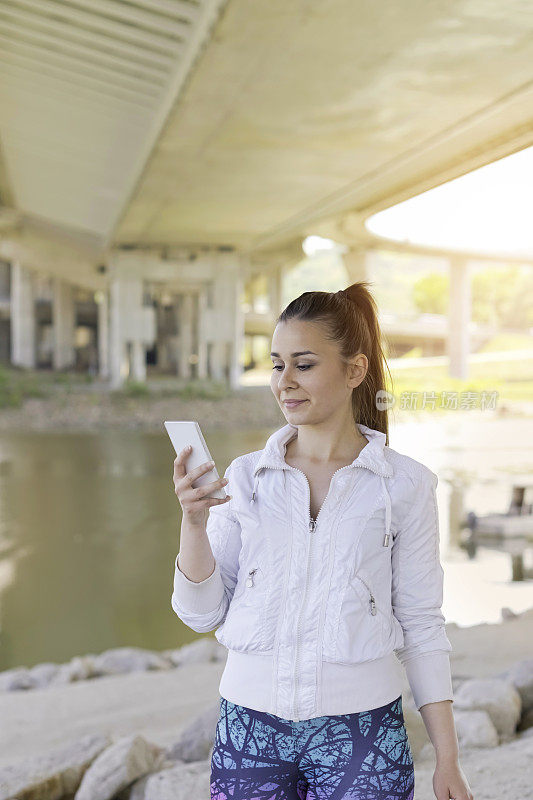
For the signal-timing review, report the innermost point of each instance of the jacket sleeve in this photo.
(203, 605)
(417, 594)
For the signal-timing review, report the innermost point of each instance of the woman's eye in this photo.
(300, 366)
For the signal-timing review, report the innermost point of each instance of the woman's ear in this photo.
(357, 369)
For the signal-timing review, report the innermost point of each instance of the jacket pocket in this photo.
(375, 546)
(362, 623)
(244, 627)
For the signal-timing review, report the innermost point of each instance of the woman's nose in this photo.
(285, 380)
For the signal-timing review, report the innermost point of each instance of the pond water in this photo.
(89, 529)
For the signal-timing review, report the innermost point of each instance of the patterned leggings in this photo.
(361, 756)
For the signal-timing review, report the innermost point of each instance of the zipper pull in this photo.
(312, 523)
(386, 540)
(372, 605)
(250, 578)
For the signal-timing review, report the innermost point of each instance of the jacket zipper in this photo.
(250, 578)
(312, 527)
(373, 608)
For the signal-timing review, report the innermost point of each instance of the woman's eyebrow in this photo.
(293, 355)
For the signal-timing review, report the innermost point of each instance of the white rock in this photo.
(475, 729)
(521, 676)
(16, 679)
(497, 697)
(123, 762)
(52, 775)
(526, 721)
(128, 659)
(43, 674)
(508, 615)
(220, 652)
(197, 739)
(79, 668)
(181, 782)
(204, 649)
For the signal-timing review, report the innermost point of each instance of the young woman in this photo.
(320, 573)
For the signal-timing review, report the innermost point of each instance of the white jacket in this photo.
(317, 615)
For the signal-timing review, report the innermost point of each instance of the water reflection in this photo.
(89, 527)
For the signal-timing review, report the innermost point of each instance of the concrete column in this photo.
(186, 314)
(218, 360)
(201, 366)
(236, 353)
(138, 360)
(63, 324)
(118, 360)
(163, 347)
(103, 333)
(225, 322)
(356, 262)
(275, 284)
(23, 325)
(126, 323)
(458, 344)
(166, 337)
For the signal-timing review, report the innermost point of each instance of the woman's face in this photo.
(318, 378)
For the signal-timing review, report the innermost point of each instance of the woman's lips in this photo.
(293, 403)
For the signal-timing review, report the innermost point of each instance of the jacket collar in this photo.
(371, 456)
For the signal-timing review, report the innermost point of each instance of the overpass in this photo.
(156, 156)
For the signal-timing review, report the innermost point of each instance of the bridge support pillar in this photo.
(63, 324)
(356, 263)
(23, 323)
(103, 333)
(458, 342)
(131, 328)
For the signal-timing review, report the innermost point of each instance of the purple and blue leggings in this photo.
(360, 756)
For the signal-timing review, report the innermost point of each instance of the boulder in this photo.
(520, 674)
(128, 659)
(497, 697)
(197, 739)
(79, 668)
(201, 650)
(126, 760)
(180, 782)
(53, 775)
(475, 729)
(43, 674)
(16, 679)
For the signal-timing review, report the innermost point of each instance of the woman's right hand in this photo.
(195, 502)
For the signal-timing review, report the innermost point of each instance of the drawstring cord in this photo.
(256, 481)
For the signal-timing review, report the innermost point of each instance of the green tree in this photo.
(504, 297)
(431, 293)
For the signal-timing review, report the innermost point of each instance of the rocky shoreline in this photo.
(93, 408)
(249, 407)
(134, 724)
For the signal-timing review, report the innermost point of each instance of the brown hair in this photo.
(350, 317)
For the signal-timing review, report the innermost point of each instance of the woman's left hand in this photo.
(449, 781)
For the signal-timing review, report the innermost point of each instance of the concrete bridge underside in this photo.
(156, 158)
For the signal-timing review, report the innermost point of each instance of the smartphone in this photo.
(184, 432)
